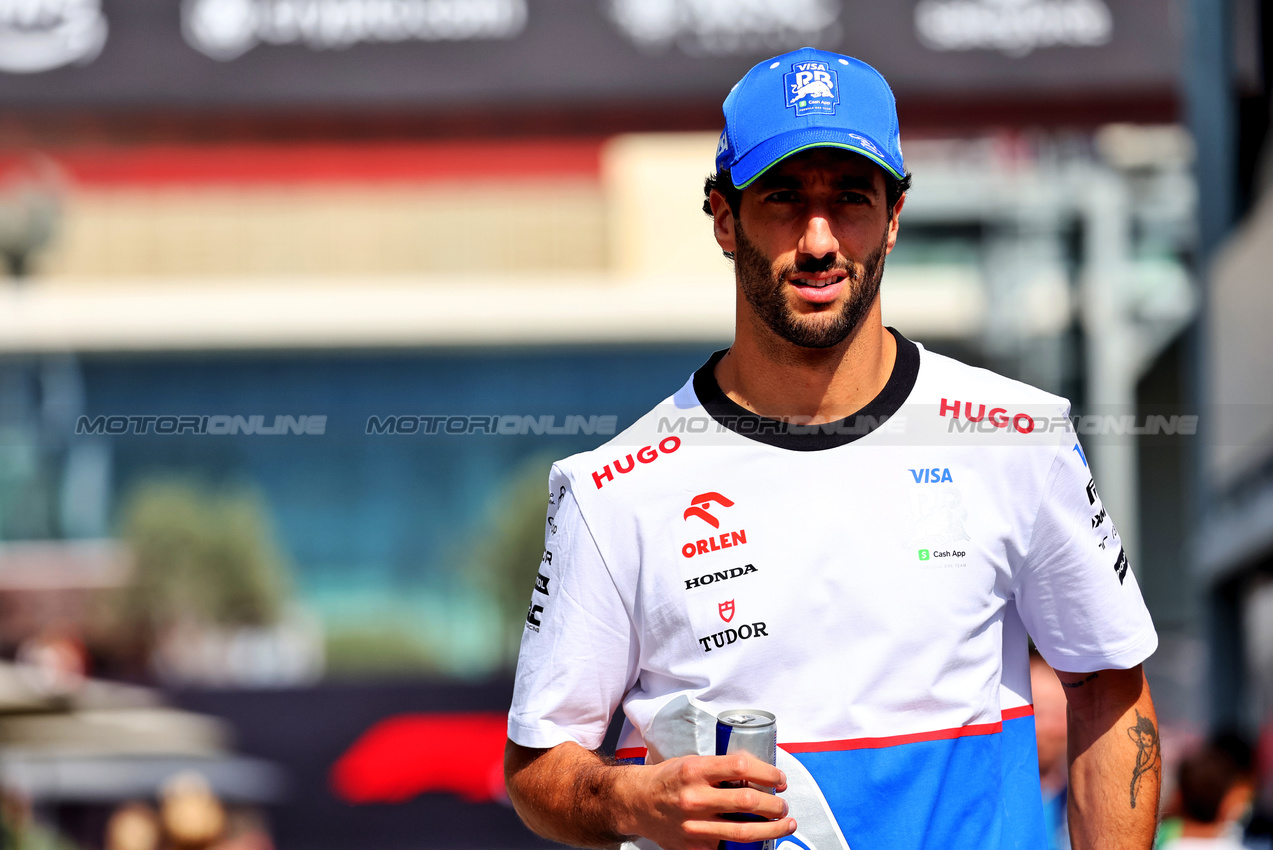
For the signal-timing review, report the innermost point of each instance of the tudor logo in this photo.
(746, 631)
(726, 610)
(700, 503)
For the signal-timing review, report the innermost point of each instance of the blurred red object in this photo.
(401, 757)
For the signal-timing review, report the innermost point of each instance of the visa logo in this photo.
(809, 66)
(931, 475)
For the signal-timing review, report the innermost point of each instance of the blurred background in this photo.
(302, 298)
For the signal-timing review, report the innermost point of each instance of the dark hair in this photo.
(721, 182)
(1237, 746)
(1205, 777)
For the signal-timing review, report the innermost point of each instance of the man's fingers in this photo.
(764, 830)
(719, 829)
(742, 767)
(745, 800)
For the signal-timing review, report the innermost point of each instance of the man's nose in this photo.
(817, 239)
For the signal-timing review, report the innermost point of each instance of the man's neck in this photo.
(773, 378)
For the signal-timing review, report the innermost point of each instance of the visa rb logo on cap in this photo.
(812, 87)
(793, 103)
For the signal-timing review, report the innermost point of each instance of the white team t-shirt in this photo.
(869, 581)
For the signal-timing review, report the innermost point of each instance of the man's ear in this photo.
(893, 223)
(723, 222)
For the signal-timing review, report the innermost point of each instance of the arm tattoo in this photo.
(1079, 684)
(1148, 753)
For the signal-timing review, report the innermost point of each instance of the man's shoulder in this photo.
(650, 437)
(945, 379)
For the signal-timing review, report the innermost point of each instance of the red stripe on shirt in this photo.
(895, 740)
(887, 741)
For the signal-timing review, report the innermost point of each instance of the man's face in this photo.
(809, 244)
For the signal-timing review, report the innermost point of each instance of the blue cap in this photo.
(808, 99)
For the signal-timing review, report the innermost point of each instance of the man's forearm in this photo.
(571, 795)
(580, 811)
(1115, 762)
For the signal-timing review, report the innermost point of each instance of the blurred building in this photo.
(305, 208)
(1233, 498)
(329, 214)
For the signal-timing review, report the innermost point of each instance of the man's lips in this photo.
(819, 287)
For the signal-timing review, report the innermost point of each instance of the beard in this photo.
(763, 287)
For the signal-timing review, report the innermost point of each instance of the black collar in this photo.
(808, 438)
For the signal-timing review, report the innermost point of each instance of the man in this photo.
(1215, 795)
(832, 524)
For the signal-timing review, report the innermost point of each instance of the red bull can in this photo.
(747, 730)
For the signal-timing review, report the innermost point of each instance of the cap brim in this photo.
(770, 152)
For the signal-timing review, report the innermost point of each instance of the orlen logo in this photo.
(647, 454)
(998, 417)
(699, 509)
(702, 502)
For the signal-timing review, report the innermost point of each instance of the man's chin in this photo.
(799, 308)
(817, 333)
(817, 316)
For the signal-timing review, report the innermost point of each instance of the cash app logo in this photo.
(923, 554)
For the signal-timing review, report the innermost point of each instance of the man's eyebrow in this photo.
(779, 181)
(858, 181)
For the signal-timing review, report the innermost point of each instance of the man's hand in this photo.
(1115, 762)
(569, 794)
(678, 803)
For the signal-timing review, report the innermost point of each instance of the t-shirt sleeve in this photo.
(578, 650)
(1075, 592)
